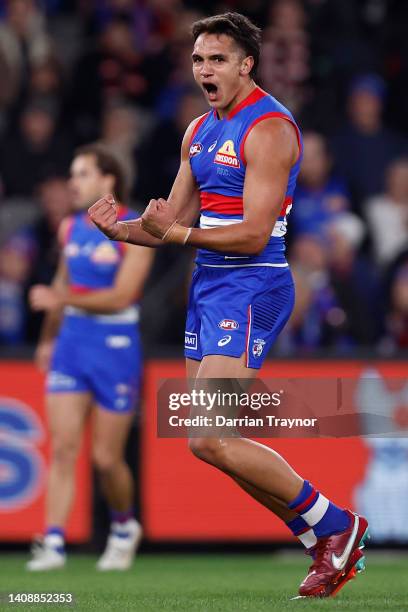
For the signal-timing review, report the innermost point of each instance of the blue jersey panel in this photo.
(218, 164)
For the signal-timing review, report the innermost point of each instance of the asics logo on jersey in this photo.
(212, 147)
(195, 148)
(224, 340)
(227, 156)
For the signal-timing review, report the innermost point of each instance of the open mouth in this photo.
(211, 90)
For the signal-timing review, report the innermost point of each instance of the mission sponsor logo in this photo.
(228, 324)
(226, 155)
(195, 149)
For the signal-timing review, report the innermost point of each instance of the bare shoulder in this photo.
(190, 131)
(274, 135)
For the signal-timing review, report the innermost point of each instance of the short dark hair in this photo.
(245, 33)
(108, 163)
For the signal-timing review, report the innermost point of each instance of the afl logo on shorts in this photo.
(195, 148)
(228, 324)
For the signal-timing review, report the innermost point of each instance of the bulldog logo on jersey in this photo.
(195, 148)
(227, 156)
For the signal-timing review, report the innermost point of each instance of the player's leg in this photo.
(295, 523)
(254, 463)
(110, 433)
(339, 533)
(66, 413)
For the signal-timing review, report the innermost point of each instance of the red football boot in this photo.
(337, 559)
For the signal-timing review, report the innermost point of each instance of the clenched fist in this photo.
(105, 216)
(158, 217)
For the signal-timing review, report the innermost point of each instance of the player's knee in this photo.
(64, 453)
(104, 461)
(207, 449)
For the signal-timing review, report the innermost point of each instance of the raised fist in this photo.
(104, 214)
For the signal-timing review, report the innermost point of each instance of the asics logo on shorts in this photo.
(224, 340)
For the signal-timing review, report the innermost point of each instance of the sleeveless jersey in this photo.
(93, 262)
(218, 164)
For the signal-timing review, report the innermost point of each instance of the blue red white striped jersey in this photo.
(93, 261)
(218, 164)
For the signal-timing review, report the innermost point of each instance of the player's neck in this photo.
(243, 93)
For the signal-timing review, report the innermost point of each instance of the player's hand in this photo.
(42, 355)
(158, 217)
(46, 298)
(105, 216)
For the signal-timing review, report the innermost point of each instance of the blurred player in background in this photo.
(239, 164)
(90, 346)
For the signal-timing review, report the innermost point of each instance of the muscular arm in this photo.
(270, 150)
(183, 200)
(127, 288)
(52, 319)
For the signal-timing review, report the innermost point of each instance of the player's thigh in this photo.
(216, 376)
(192, 367)
(110, 433)
(66, 416)
(225, 367)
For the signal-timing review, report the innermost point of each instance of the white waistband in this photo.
(248, 265)
(128, 315)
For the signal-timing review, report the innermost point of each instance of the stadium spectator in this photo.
(55, 202)
(319, 196)
(285, 64)
(397, 317)
(180, 79)
(46, 84)
(24, 43)
(354, 280)
(122, 126)
(38, 148)
(317, 320)
(387, 214)
(337, 290)
(113, 71)
(16, 256)
(163, 147)
(364, 147)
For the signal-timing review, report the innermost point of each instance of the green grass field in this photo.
(205, 583)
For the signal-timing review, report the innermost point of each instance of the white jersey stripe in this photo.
(279, 229)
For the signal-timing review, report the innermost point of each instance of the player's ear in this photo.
(246, 65)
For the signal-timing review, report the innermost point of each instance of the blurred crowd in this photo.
(75, 71)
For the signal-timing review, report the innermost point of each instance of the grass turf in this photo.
(205, 583)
